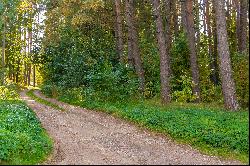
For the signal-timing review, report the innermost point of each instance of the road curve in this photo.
(85, 137)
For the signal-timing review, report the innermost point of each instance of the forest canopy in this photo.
(104, 50)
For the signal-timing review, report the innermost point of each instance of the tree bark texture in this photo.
(134, 57)
(164, 56)
(190, 31)
(118, 29)
(212, 56)
(228, 85)
(3, 48)
(29, 54)
(34, 75)
(243, 26)
(175, 17)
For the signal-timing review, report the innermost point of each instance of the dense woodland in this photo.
(176, 67)
(177, 51)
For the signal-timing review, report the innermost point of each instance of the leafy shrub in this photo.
(2, 71)
(76, 95)
(109, 83)
(210, 89)
(22, 139)
(211, 93)
(151, 63)
(9, 92)
(105, 83)
(49, 90)
(87, 68)
(185, 93)
(181, 81)
(240, 63)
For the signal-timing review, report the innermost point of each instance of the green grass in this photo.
(212, 130)
(22, 138)
(31, 94)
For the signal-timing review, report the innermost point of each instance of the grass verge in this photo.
(212, 130)
(23, 141)
(31, 94)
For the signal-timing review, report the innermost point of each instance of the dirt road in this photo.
(83, 136)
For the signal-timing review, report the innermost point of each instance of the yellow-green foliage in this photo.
(240, 63)
(8, 92)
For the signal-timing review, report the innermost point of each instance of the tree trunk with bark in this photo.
(118, 29)
(164, 56)
(183, 15)
(25, 76)
(204, 8)
(237, 7)
(134, 57)
(34, 75)
(18, 70)
(197, 25)
(190, 31)
(169, 14)
(175, 17)
(228, 85)
(243, 26)
(212, 57)
(29, 54)
(3, 49)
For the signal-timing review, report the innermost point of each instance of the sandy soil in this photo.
(84, 137)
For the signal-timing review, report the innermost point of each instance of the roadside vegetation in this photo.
(207, 127)
(22, 138)
(31, 94)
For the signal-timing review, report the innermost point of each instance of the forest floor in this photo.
(84, 136)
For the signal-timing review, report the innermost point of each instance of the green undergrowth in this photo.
(212, 130)
(31, 94)
(22, 139)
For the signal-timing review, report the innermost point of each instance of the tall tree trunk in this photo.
(164, 56)
(197, 25)
(215, 43)
(34, 75)
(210, 52)
(133, 43)
(189, 28)
(228, 10)
(18, 68)
(25, 73)
(146, 19)
(243, 26)
(169, 14)
(118, 29)
(3, 48)
(29, 74)
(228, 85)
(237, 6)
(175, 17)
(14, 77)
(129, 26)
(25, 55)
(204, 9)
(183, 15)
(29, 54)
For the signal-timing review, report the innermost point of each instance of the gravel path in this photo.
(88, 137)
